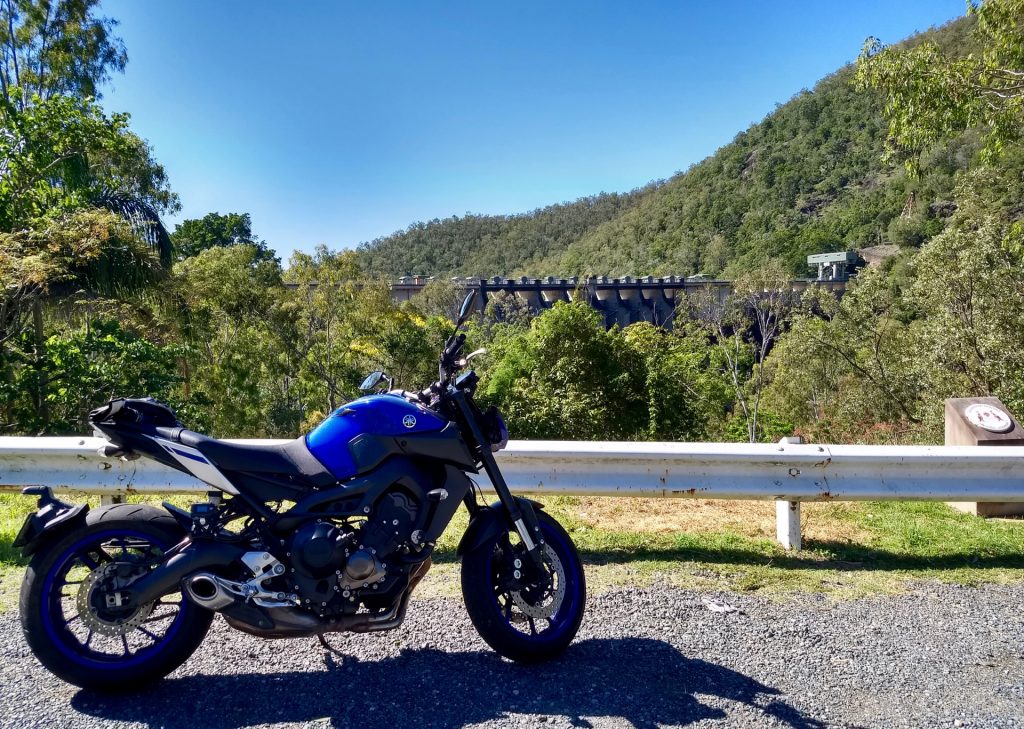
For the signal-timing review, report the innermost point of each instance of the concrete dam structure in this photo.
(621, 301)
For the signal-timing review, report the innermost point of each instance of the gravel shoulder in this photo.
(942, 655)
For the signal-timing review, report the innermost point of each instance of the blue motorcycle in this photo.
(330, 532)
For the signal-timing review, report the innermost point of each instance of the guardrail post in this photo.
(787, 524)
(108, 499)
(787, 513)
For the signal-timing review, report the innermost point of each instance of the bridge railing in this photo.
(786, 473)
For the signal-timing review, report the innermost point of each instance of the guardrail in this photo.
(787, 473)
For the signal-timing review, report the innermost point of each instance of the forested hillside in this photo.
(483, 245)
(806, 179)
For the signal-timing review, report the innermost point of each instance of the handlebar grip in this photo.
(452, 349)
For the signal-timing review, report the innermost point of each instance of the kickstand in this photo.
(327, 646)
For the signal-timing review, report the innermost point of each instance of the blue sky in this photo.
(336, 123)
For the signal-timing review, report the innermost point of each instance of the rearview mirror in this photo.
(467, 307)
(372, 380)
(465, 360)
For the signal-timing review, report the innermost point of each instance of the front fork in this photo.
(520, 513)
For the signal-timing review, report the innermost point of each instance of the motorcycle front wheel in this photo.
(68, 603)
(524, 613)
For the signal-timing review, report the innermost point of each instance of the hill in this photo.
(484, 244)
(807, 178)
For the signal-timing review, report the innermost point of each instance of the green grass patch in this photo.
(901, 543)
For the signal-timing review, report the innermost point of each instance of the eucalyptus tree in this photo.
(227, 305)
(56, 47)
(931, 94)
(744, 326)
(853, 369)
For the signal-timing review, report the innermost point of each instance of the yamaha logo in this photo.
(409, 421)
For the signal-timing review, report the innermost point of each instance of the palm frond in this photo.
(143, 218)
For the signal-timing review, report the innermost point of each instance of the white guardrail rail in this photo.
(787, 473)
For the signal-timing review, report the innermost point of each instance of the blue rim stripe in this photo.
(566, 612)
(69, 645)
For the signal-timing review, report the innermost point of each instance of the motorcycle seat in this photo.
(286, 459)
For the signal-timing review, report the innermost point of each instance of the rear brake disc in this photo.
(101, 621)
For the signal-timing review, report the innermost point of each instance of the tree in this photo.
(56, 47)
(58, 150)
(686, 396)
(970, 284)
(321, 305)
(566, 377)
(439, 297)
(191, 237)
(507, 308)
(227, 304)
(744, 327)
(86, 250)
(854, 369)
(344, 325)
(90, 249)
(99, 361)
(63, 154)
(65, 166)
(931, 95)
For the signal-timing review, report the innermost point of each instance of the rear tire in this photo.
(511, 621)
(64, 619)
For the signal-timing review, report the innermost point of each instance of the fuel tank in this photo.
(387, 415)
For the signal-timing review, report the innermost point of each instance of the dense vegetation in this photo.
(99, 301)
(486, 245)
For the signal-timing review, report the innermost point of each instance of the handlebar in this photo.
(448, 365)
(450, 357)
(454, 347)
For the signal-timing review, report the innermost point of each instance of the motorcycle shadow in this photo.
(645, 682)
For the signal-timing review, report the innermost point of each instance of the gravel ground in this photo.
(941, 656)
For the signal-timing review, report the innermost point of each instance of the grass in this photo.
(850, 549)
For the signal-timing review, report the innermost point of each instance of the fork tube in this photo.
(516, 516)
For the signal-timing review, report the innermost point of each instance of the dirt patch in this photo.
(824, 521)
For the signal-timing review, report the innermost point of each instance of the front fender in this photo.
(52, 520)
(488, 522)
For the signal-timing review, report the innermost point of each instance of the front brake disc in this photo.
(550, 601)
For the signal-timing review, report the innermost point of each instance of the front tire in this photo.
(72, 629)
(532, 618)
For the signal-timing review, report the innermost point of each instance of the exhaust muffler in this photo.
(208, 591)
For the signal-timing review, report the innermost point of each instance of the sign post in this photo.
(983, 421)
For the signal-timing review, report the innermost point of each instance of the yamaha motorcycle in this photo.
(330, 532)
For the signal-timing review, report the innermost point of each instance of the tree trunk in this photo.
(42, 405)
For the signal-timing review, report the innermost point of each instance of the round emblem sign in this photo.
(409, 421)
(989, 417)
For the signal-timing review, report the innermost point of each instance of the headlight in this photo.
(494, 428)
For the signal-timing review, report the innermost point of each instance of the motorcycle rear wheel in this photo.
(81, 639)
(537, 621)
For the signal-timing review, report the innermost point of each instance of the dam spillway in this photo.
(621, 301)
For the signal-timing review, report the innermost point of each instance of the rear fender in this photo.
(488, 522)
(52, 519)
